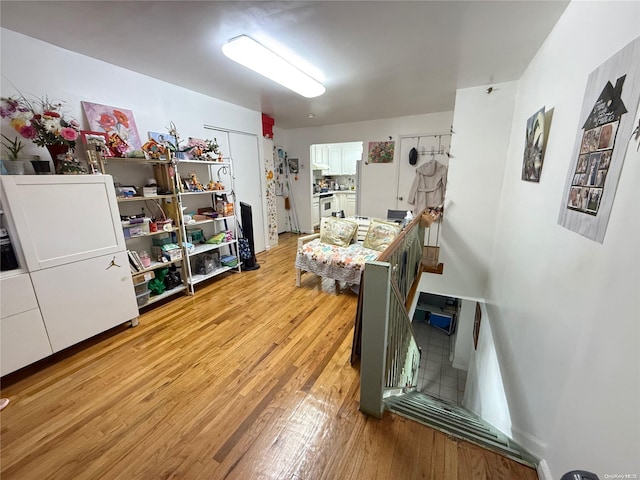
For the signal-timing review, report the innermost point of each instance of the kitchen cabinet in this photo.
(350, 210)
(74, 281)
(350, 157)
(335, 160)
(315, 212)
(346, 202)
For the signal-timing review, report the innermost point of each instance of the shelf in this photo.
(201, 278)
(206, 162)
(211, 220)
(156, 265)
(138, 199)
(210, 192)
(150, 234)
(207, 247)
(163, 295)
(141, 161)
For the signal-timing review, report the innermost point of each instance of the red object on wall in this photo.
(267, 126)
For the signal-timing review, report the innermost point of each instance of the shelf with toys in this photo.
(206, 200)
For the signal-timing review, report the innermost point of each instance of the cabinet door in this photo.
(335, 160)
(23, 340)
(81, 299)
(315, 213)
(350, 156)
(351, 205)
(62, 219)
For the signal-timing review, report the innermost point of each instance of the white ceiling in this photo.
(377, 59)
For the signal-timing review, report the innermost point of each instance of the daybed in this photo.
(342, 247)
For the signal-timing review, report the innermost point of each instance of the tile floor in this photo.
(436, 375)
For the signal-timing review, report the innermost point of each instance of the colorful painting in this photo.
(606, 127)
(115, 122)
(381, 152)
(534, 147)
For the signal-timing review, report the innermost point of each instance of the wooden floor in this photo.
(249, 379)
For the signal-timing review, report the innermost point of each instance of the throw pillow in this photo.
(337, 231)
(380, 235)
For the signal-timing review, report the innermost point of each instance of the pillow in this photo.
(380, 235)
(337, 231)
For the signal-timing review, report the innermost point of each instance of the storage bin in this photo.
(143, 298)
(142, 288)
(441, 321)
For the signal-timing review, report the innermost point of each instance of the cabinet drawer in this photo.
(23, 340)
(16, 295)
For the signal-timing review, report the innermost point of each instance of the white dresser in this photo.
(74, 278)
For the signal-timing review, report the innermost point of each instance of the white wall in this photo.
(564, 310)
(41, 69)
(377, 189)
(482, 125)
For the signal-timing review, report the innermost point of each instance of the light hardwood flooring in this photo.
(249, 379)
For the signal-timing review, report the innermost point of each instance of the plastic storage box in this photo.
(143, 298)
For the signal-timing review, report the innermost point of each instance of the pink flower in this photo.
(69, 133)
(27, 131)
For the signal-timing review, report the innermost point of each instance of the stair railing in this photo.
(389, 354)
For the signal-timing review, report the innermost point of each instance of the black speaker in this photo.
(246, 218)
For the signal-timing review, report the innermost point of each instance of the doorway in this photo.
(335, 171)
(244, 152)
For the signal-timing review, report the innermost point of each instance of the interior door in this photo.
(246, 166)
(429, 146)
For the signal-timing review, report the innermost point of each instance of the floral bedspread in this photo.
(339, 263)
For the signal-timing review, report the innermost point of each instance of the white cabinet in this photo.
(350, 211)
(335, 160)
(320, 158)
(60, 219)
(77, 280)
(23, 338)
(315, 212)
(81, 299)
(350, 157)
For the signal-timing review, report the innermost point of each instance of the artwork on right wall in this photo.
(534, 147)
(606, 125)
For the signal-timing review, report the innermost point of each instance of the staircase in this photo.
(458, 422)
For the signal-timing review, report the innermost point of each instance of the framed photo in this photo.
(97, 138)
(162, 138)
(534, 147)
(381, 152)
(294, 166)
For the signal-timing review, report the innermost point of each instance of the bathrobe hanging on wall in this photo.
(428, 187)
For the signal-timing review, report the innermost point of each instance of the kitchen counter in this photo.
(317, 195)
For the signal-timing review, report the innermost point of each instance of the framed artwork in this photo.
(606, 127)
(476, 326)
(162, 138)
(381, 152)
(97, 138)
(113, 121)
(534, 147)
(294, 165)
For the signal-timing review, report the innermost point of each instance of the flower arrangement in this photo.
(40, 120)
(197, 148)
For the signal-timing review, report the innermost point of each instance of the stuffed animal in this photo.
(196, 186)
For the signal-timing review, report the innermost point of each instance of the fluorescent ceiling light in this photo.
(246, 51)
